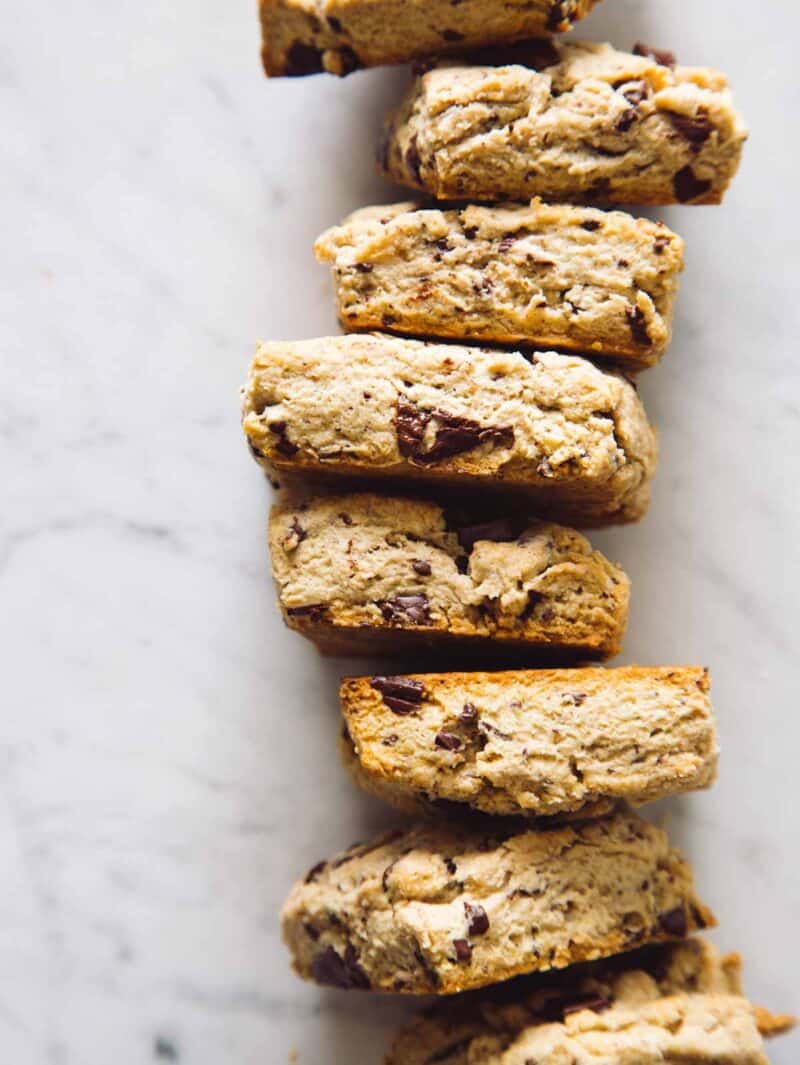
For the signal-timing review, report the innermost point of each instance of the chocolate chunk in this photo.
(421, 567)
(452, 35)
(636, 320)
(364, 268)
(661, 244)
(314, 872)
(634, 94)
(688, 186)
(303, 59)
(296, 532)
(658, 55)
(329, 969)
(348, 60)
(591, 225)
(674, 922)
(314, 611)
(695, 128)
(501, 531)
(410, 424)
(401, 694)
(284, 445)
(448, 741)
(477, 919)
(456, 435)
(312, 932)
(413, 160)
(470, 232)
(626, 119)
(406, 608)
(463, 949)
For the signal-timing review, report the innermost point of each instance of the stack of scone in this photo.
(434, 462)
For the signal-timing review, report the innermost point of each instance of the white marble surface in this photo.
(167, 747)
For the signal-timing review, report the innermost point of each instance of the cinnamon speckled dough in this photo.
(448, 909)
(369, 571)
(572, 278)
(591, 124)
(570, 438)
(665, 1005)
(540, 742)
(339, 36)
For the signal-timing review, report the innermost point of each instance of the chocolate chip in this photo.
(501, 531)
(346, 519)
(450, 866)
(591, 225)
(674, 922)
(477, 919)
(626, 119)
(452, 35)
(661, 244)
(556, 1009)
(406, 608)
(463, 949)
(658, 55)
(470, 232)
(333, 971)
(412, 159)
(348, 60)
(421, 567)
(695, 128)
(469, 715)
(364, 268)
(283, 445)
(388, 320)
(298, 531)
(303, 59)
(314, 872)
(688, 186)
(335, 24)
(637, 322)
(312, 932)
(447, 740)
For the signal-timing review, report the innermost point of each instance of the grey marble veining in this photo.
(166, 747)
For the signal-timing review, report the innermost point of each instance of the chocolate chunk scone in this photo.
(362, 573)
(670, 1004)
(537, 742)
(448, 909)
(571, 439)
(573, 278)
(581, 123)
(339, 36)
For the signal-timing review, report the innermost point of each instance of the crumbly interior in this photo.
(633, 993)
(339, 36)
(538, 742)
(448, 909)
(570, 437)
(573, 278)
(370, 561)
(591, 124)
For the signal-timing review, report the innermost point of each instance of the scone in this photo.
(308, 36)
(533, 742)
(570, 440)
(366, 573)
(572, 278)
(670, 1004)
(580, 123)
(448, 909)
